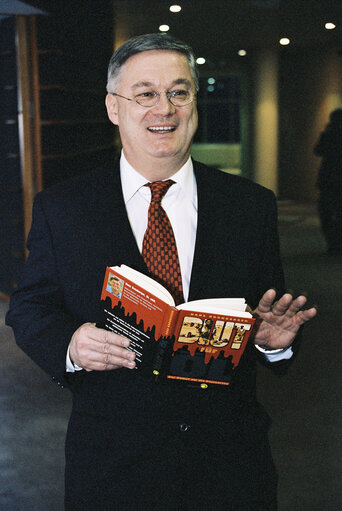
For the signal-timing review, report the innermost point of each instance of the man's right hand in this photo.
(95, 349)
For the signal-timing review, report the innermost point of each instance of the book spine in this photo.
(169, 322)
(163, 346)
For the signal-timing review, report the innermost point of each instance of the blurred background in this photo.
(270, 75)
(262, 102)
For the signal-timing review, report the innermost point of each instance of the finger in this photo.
(115, 350)
(266, 301)
(120, 356)
(305, 315)
(113, 359)
(296, 305)
(283, 305)
(104, 336)
(114, 354)
(94, 348)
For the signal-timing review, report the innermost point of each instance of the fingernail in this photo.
(131, 364)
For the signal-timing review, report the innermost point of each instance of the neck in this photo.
(158, 169)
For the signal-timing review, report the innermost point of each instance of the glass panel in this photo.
(219, 110)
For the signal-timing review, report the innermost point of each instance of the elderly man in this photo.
(133, 444)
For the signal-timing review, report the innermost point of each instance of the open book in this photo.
(199, 342)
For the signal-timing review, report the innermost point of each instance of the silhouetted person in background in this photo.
(329, 182)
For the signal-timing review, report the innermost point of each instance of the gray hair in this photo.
(148, 42)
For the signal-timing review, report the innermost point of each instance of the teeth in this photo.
(161, 129)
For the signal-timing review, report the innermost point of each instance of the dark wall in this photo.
(74, 44)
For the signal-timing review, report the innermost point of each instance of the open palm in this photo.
(279, 321)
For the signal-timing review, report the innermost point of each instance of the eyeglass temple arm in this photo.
(115, 94)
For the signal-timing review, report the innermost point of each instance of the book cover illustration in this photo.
(207, 348)
(131, 311)
(199, 347)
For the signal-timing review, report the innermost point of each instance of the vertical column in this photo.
(27, 113)
(266, 119)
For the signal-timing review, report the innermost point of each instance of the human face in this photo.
(115, 285)
(156, 140)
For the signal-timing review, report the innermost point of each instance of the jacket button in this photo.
(183, 427)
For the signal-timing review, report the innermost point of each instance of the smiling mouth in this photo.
(161, 129)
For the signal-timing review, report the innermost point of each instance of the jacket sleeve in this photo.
(41, 325)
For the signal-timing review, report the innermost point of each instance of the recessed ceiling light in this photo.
(284, 41)
(175, 8)
(330, 26)
(164, 28)
(200, 60)
(242, 53)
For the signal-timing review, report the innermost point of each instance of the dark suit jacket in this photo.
(119, 419)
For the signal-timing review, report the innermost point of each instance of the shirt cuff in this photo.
(70, 366)
(276, 355)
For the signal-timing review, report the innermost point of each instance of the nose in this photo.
(164, 106)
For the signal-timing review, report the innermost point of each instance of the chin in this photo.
(164, 153)
(167, 150)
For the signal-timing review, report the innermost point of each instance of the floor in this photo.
(305, 405)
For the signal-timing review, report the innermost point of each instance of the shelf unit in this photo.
(53, 120)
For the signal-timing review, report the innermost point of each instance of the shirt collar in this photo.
(132, 180)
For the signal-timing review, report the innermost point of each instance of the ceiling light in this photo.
(284, 41)
(330, 26)
(211, 81)
(164, 28)
(242, 53)
(175, 8)
(200, 60)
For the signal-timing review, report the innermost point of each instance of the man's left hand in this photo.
(278, 322)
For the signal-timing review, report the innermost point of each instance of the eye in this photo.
(180, 93)
(147, 94)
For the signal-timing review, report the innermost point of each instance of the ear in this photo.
(112, 108)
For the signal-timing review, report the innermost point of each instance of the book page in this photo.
(145, 282)
(227, 306)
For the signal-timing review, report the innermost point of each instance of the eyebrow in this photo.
(178, 81)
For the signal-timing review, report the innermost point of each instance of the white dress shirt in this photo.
(180, 204)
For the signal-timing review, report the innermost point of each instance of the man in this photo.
(114, 286)
(329, 182)
(133, 444)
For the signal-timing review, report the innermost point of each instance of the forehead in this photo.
(155, 67)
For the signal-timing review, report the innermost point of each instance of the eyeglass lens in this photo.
(180, 97)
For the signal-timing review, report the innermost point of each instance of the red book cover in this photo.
(174, 344)
(208, 347)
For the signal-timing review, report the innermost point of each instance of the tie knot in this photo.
(159, 189)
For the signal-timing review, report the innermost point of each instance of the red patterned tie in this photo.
(159, 245)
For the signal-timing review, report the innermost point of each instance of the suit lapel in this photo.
(211, 231)
(122, 245)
